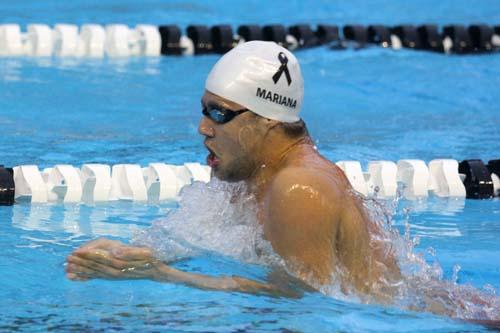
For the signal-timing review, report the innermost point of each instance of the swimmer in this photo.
(308, 210)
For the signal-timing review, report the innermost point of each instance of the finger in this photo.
(90, 261)
(96, 263)
(91, 256)
(79, 273)
(76, 269)
(74, 277)
(97, 255)
(130, 253)
(95, 270)
(79, 270)
(107, 272)
(104, 258)
(81, 279)
(76, 262)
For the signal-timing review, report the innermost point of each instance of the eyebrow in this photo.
(212, 104)
(215, 105)
(221, 104)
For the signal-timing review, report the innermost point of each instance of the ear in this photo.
(247, 137)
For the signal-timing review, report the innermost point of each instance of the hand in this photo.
(109, 259)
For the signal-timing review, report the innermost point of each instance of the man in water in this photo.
(307, 208)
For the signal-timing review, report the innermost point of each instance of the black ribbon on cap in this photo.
(283, 68)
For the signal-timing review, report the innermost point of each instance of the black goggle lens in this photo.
(221, 115)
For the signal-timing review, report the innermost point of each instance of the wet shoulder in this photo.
(316, 180)
(308, 164)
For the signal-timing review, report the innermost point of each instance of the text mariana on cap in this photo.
(276, 98)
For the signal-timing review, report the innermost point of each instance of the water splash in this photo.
(422, 286)
(215, 217)
(221, 217)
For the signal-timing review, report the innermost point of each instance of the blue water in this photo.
(361, 105)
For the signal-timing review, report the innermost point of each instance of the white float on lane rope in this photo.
(414, 174)
(354, 174)
(66, 40)
(11, 42)
(39, 41)
(444, 179)
(127, 183)
(29, 184)
(93, 39)
(63, 183)
(149, 40)
(96, 182)
(383, 178)
(117, 40)
(161, 182)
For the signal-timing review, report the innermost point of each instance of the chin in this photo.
(230, 174)
(227, 177)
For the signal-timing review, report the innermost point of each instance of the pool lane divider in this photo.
(120, 40)
(101, 183)
(158, 182)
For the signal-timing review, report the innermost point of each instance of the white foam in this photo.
(218, 217)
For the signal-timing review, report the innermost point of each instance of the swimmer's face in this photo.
(233, 146)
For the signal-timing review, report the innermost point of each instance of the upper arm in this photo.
(302, 214)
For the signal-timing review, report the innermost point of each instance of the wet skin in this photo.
(307, 208)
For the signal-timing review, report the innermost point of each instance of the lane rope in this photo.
(120, 40)
(444, 178)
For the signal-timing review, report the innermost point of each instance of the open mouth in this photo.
(212, 159)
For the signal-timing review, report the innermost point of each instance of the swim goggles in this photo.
(221, 115)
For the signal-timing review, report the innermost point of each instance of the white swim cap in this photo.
(261, 76)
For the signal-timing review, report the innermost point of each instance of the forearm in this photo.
(169, 274)
(166, 273)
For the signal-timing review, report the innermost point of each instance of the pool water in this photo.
(359, 105)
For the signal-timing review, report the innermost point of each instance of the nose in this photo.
(206, 127)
